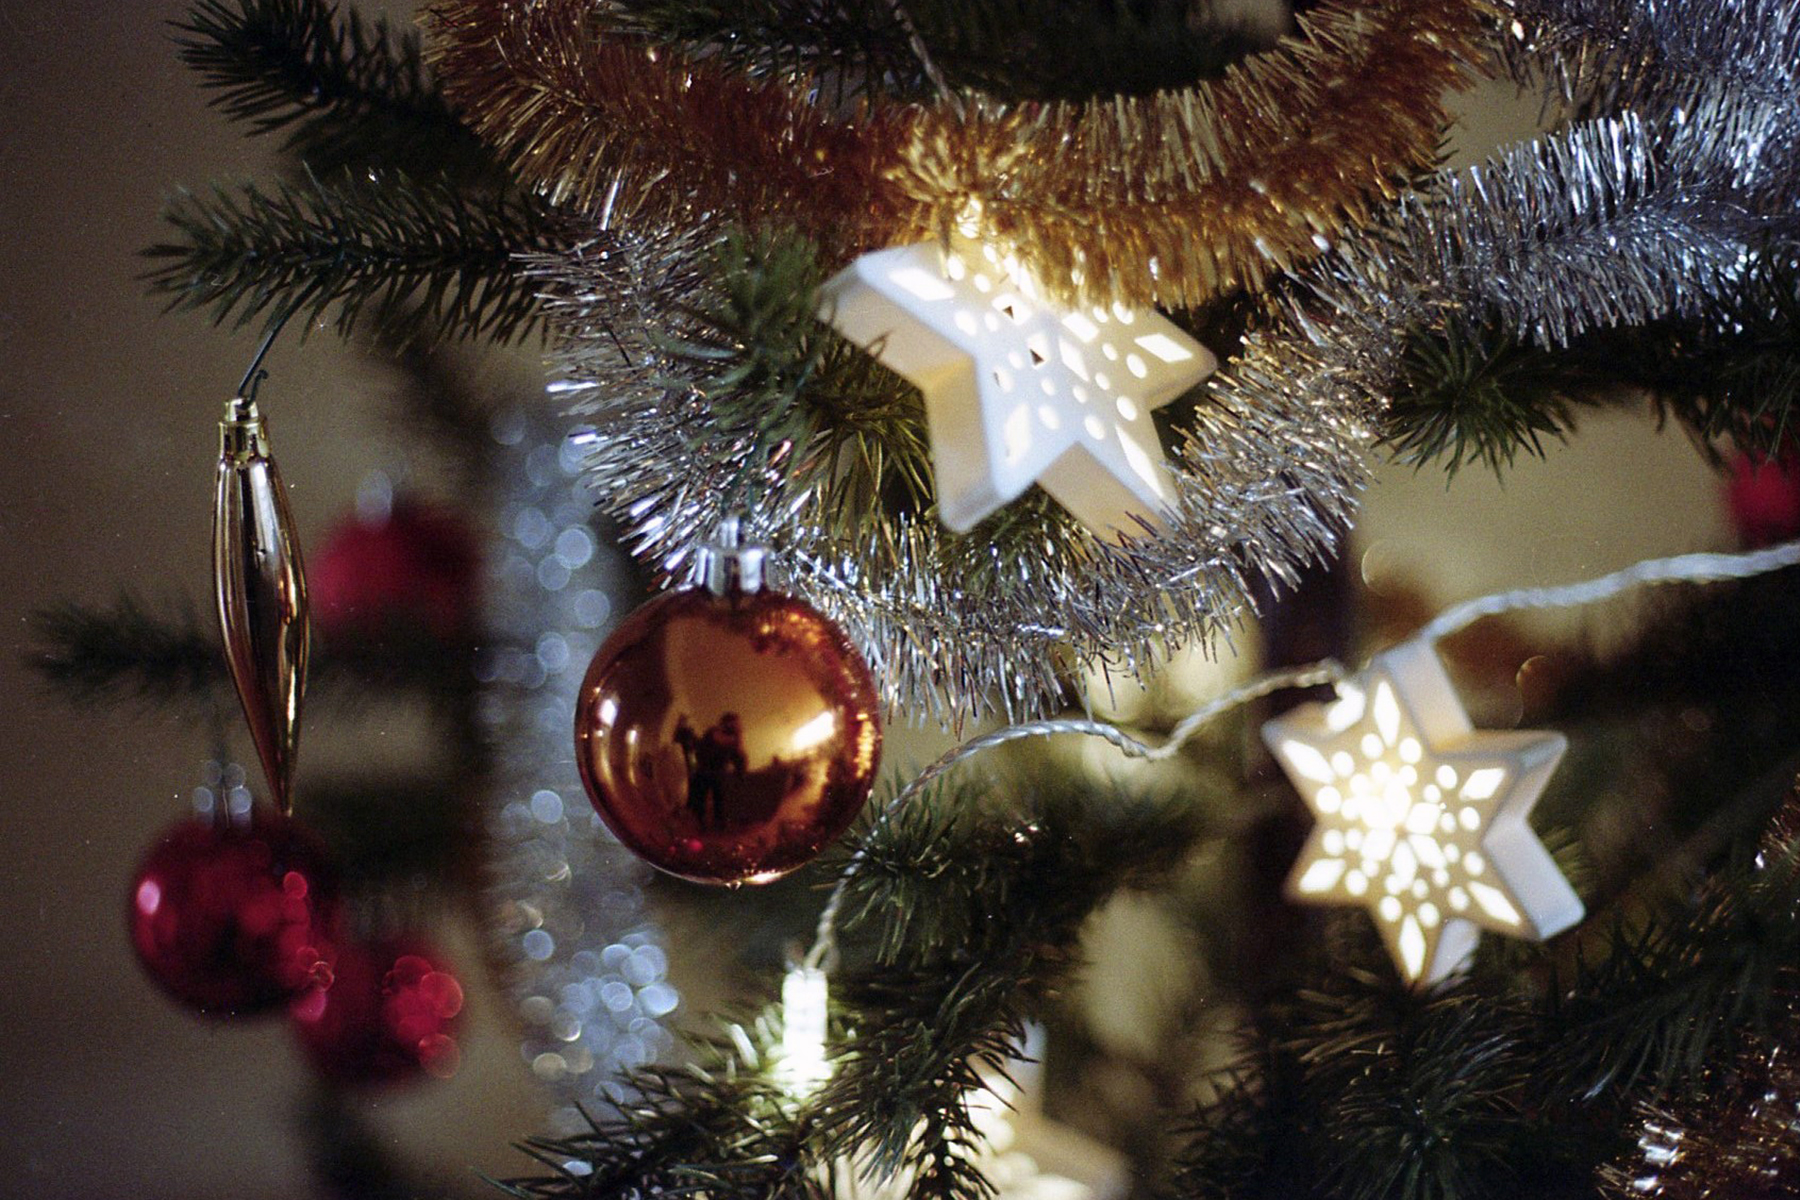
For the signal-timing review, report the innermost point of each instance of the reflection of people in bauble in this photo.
(717, 756)
(686, 738)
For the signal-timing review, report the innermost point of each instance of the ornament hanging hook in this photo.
(254, 374)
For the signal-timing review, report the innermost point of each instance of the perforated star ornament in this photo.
(1017, 390)
(1421, 819)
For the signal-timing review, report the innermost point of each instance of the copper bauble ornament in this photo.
(727, 733)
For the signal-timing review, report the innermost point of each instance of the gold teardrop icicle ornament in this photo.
(260, 586)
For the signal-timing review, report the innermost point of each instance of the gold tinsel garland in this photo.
(583, 111)
(1733, 1133)
(1169, 198)
(1734, 1136)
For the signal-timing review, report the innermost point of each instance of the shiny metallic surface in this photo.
(727, 739)
(260, 586)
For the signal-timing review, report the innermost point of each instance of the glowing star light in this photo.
(1018, 391)
(1421, 819)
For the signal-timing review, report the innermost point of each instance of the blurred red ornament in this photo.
(727, 737)
(1763, 498)
(419, 565)
(234, 918)
(389, 1014)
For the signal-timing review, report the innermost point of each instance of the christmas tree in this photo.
(926, 300)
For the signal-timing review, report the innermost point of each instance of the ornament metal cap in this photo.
(242, 435)
(727, 565)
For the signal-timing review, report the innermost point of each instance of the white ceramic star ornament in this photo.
(1017, 390)
(1421, 819)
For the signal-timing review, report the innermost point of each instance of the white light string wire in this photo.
(1682, 568)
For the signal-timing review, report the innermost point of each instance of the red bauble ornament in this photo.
(418, 565)
(726, 735)
(389, 1014)
(1763, 498)
(234, 918)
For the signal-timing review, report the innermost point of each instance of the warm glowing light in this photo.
(800, 1061)
(1420, 818)
(969, 326)
(815, 732)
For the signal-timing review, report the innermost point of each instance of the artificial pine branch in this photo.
(349, 93)
(989, 902)
(1478, 395)
(1651, 1009)
(1731, 372)
(1510, 1081)
(125, 652)
(925, 1014)
(1736, 374)
(416, 258)
(790, 387)
(1008, 49)
(107, 655)
(717, 1129)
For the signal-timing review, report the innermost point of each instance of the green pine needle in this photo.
(125, 653)
(348, 93)
(846, 430)
(1010, 49)
(1472, 393)
(1476, 395)
(414, 258)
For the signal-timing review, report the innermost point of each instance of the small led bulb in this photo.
(800, 1064)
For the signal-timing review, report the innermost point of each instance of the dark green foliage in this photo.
(1520, 1079)
(998, 895)
(1477, 395)
(100, 655)
(993, 903)
(400, 218)
(1365, 1090)
(348, 93)
(1474, 393)
(1355, 1089)
(1736, 375)
(1650, 1011)
(758, 355)
(413, 258)
(1010, 49)
(1420, 1097)
(721, 1132)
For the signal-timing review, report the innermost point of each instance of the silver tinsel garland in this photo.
(1620, 219)
(1609, 55)
(953, 627)
(1648, 207)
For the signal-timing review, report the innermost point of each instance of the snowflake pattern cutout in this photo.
(1018, 390)
(1421, 819)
